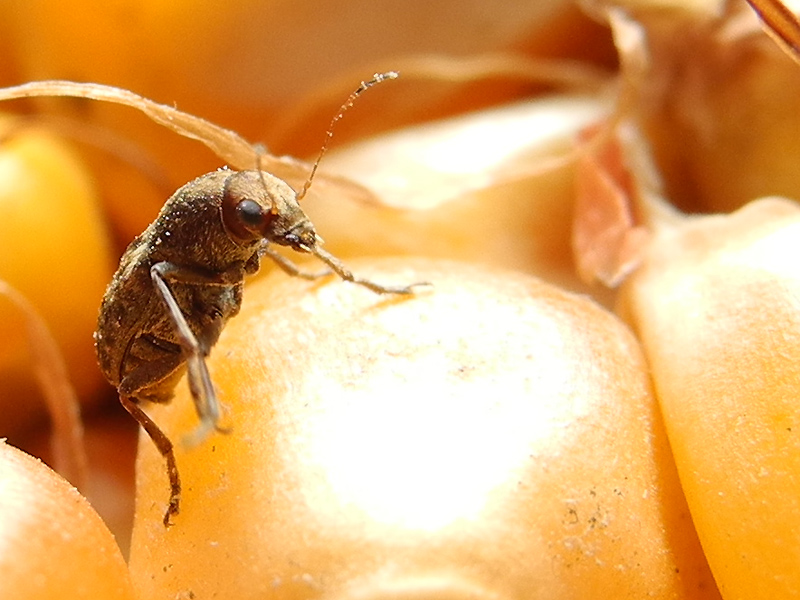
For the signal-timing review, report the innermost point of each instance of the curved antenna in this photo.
(365, 85)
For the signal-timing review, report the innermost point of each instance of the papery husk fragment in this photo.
(717, 101)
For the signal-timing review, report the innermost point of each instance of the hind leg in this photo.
(164, 446)
(133, 389)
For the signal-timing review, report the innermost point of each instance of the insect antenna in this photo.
(365, 85)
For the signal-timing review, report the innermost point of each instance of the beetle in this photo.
(181, 280)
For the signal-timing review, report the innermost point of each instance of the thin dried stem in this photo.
(228, 145)
(560, 73)
(781, 24)
(69, 452)
(566, 74)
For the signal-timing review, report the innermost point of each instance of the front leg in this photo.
(200, 385)
(288, 267)
(337, 267)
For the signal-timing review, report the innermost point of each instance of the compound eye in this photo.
(250, 214)
(245, 219)
(246, 208)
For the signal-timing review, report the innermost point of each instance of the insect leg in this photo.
(288, 267)
(336, 265)
(205, 398)
(164, 447)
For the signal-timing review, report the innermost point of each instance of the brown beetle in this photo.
(180, 281)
